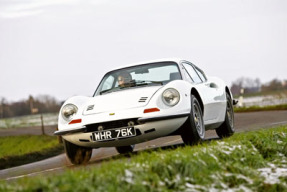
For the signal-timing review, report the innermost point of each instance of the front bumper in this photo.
(84, 129)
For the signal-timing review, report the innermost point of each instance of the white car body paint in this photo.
(125, 104)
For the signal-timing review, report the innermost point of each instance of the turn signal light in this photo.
(75, 121)
(151, 110)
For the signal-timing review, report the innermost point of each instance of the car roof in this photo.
(176, 60)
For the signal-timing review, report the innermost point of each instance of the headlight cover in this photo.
(69, 111)
(170, 97)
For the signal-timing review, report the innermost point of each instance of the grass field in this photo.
(258, 108)
(29, 121)
(18, 150)
(253, 161)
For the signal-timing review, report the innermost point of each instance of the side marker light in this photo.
(75, 121)
(151, 110)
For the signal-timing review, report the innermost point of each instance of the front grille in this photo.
(90, 107)
(111, 124)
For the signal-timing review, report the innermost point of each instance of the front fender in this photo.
(80, 102)
(183, 105)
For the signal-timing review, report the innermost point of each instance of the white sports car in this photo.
(146, 101)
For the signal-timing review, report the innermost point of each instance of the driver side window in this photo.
(108, 83)
(192, 73)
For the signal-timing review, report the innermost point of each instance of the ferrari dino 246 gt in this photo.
(142, 102)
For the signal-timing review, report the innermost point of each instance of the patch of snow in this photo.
(239, 176)
(272, 174)
(203, 150)
(194, 188)
(220, 142)
(229, 149)
(128, 176)
(271, 165)
(239, 189)
(177, 178)
(213, 156)
(281, 155)
(161, 183)
(201, 161)
(243, 188)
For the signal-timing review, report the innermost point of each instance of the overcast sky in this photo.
(64, 47)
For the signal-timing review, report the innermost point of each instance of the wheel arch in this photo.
(196, 94)
(228, 92)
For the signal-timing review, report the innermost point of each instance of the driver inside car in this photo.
(125, 79)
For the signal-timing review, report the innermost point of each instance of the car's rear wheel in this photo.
(193, 130)
(125, 149)
(77, 154)
(227, 127)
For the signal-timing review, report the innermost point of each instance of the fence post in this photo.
(42, 125)
(240, 103)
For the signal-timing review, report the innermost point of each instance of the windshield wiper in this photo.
(148, 82)
(115, 89)
(108, 90)
(131, 84)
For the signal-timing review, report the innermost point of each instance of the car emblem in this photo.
(112, 114)
(100, 128)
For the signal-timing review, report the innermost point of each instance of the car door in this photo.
(207, 90)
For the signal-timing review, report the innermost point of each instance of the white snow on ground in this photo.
(228, 149)
(128, 176)
(272, 174)
(194, 188)
(213, 156)
(239, 176)
(226, 189)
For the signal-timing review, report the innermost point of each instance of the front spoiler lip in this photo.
(71, 131)
(143, 120)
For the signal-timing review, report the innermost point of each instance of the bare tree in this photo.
(249, 85)
(41, 104)
(273, 85)
(2, 108)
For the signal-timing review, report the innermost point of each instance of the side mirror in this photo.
(213, 85)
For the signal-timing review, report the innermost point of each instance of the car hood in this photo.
(120, 100)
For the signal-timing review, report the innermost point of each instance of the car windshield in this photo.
(153, 74)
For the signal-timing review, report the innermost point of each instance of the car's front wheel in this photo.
(125, 149)
(227, 127)
(193, 130)
(77, 154)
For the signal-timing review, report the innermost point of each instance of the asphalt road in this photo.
(243, 122)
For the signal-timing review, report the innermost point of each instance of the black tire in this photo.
(227, 127)
(77, 154)
(125, 149)
(193, 130)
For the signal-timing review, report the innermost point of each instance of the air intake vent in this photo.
(143, 99)
(90, 107)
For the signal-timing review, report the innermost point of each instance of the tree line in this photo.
(48, 104)
(31, 105)
(250, 85)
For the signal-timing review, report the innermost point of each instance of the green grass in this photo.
(17, 150)
(236, 164)
(258, 108)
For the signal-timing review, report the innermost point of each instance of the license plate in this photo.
(111, 134)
